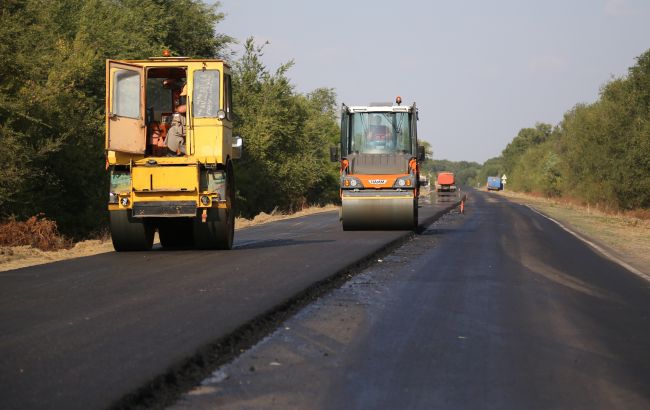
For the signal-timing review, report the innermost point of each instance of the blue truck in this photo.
(494, 184)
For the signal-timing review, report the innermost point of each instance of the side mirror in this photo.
(334, 154)
(421, 153)
(237, 147)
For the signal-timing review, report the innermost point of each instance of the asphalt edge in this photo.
(601, 249)
(165, 389)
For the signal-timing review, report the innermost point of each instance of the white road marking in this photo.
(599, 249)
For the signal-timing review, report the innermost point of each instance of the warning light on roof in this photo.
(398, 100)
(166, 53)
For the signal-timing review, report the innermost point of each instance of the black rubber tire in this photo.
(218, 231)
(176, 233)
(130, 234)
(215, 232)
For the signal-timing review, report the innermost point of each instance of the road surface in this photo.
(83, 333)
(499, 308)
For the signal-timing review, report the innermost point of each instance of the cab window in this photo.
(380, 132)
(126, 94)
(205, 95)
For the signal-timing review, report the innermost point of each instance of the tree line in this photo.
(599, 153)
(465, 172)
(287, 135)
(52, 99)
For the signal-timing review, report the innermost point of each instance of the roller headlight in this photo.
(205, 200)
(124, 201)
(352, 182)
(404, 182)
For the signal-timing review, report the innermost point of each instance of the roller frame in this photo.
(218, 230)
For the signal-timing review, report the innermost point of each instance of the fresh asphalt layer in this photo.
(499, 308)
(83, 333)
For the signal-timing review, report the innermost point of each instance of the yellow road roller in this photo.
(169, 151)
(379, 157)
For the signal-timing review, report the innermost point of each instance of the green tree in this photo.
(600, 152)
(525, 139)
(285, 163)
(538, 170)
(428, 149)
(464, 172)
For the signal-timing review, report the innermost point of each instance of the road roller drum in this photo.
(378, 212)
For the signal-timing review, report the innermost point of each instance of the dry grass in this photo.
(626, 233)
(16, 254)
(36, 232)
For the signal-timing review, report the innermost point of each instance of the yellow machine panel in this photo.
(165, 179)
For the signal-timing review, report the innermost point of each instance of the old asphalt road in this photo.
(83, 333)
(496, 309)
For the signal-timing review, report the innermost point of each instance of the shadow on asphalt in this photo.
(276, 242)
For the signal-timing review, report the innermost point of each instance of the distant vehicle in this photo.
(494, 184)
(446, 183)
(380, 172)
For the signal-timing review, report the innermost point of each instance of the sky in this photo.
(478, 70)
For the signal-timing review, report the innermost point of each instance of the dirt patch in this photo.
(626, 233)
(14, 256)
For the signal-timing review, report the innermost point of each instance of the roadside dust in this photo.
(15, 257)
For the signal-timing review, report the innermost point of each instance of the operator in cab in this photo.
(377, 133)
(176, 133)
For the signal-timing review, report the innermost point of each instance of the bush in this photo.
(37, 231)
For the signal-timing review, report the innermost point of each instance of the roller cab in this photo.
(379, 158)
(169, 152)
